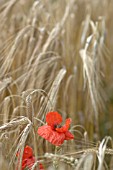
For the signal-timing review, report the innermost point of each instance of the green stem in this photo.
(55, 160)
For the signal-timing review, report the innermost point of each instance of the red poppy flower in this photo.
(28, 159)
(53, 131)
(29, 162)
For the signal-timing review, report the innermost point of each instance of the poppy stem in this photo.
(55, 160)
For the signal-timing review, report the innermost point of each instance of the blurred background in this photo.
(56, 55)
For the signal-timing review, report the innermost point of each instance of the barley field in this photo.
(56, 85)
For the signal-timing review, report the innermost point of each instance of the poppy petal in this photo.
(65, 127)
(41, 166)
(53, 118)
(30, 162)
(28, 152)
(52, 136)
(27, 159)
(24, 164)
(69, 136)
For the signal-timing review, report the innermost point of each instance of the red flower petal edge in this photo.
(28, 163)
(69, 136)
(65, 127)
(41, 166)
(53, 118)
(28, 152)
(52, 136)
